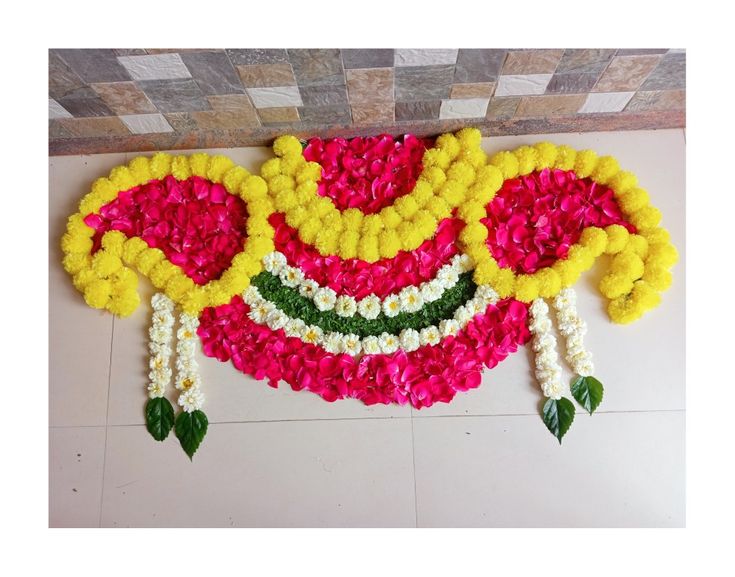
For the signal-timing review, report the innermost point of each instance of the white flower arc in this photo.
(159, 345)
(573, 329)
(548, 370)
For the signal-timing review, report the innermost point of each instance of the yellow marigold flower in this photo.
(452, 192)
(259, 246)
(372, 224)
(545, 155)
(73, 263)
(105, 189)
(75, 226)
(261, 207)
(504, 282)
(140, 167)
(326, 241)
(83, 278)
(622, 182)
(194, 301)
(132, 248)
(595, 239)
(147, 259)
(637, 245)
(434, 175)
(306, 191)
(220, 296)
(296, 216)
(390, 216)
(469, 137)
(623, 310)
(613, 285)
(76, 244)
(566, 157)
(291, 164)
(178, 285)
(367, 248)
(478, 253)
(97, 293)
(161, 165)
(309, 229)
(657, 236)
(281, 182)
(527, 158)
(449, 144)
(664, 255)
(549, 282)
(352, 219)
(90, 203)
(606, 168)
(251, 267)
(568, 272)
(233, 179)
(122, 178)
(411, 238)
(481, 192)
(309, 172)
(658, 277)
(581, 256)
(270, 168)
(473, 233)
(436, 157)
(507, 163)
(425, 223)
(485, 272)
(406, 206)
(333, 221)
(471, 211)
(258, 226)
(322, 206)
(646, 218)
(527, 288)
(627, 264)
(585, 163)
(161, 272)
(389, 243)
(462, 172)
(285, 200)
(125, 278)
(124, 303)
(180, 167)
(348, 244)
(287, 145)
(439, 208)
(645, 296)
(113, 242)
(253, 188)
(617, 238)
(476, 157)
(422, 192)
(632, 200)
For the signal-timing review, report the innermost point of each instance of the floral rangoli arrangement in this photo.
(389, 270)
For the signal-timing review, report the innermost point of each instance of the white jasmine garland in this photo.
(161, 335)
(391, 306)
(274, 262)
(188, 380)
(410, 340)
(369, 307)
(430, 336)
(573, 328)
(448, 327)
(345, 306)
(371, 345)
(548, 371)
(308, 288)
(332, 343)
(411, 299)
(312, 334)
(291, 277)
(351, 344)
(432, 291)
(388, 343)
(325, 298)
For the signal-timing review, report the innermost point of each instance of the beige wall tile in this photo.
(552, 105)
(473, 90)
(124, 98)
(280, 114)
(532, 61)
(266, 75)
(365, 85)
(626, 73)
(373, 113)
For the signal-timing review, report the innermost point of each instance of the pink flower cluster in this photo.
(421, 378)
(358, 278)
(196, 223)
(534, 219)
(367, 173)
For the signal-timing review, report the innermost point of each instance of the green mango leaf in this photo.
(159, 417)
(558, 416)
(588, 391)
(190, 430)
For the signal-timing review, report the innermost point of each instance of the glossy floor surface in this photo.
(279, 458)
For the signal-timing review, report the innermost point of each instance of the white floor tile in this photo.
(309, 474)
(75, 476)
(612, 470)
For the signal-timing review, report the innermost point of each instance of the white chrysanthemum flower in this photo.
(294, 328)
(260, 311)
(345, 306)
(391, 305)
(192, 400)
(160, 348)
(160, 301)
(186, 382)
(162, 376)
(462, 315)
(410, 340)
(351, 344)
(539, 308)
(158, 362)
(251, 294)
(447, 276)
(159, 333)
(274, 262)
(430, 336)
(276, 319)
(308, 288)
(291, 277)
(474, 306)
(162, 318)
(432, 291)
(449, 327)
(332, 343)
(324, 299)
(411, 299)
(311, 334)
(388, 343)
(186, 347)
(156, 389)
(487, 294)
(371, 345)
(463, 263)
(369, 307)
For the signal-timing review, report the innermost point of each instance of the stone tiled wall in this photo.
(145, 99)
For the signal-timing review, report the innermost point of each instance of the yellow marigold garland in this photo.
(107, 279)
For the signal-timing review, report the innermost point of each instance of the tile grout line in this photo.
(413, 459)
(107, 417)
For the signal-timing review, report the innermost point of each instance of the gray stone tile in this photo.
(414, 83)
(670, 74)
(478, 65)
(129, 51)
(323, 95)
(367, 57)
(213, 72)
(571, 83)
(175, 95)
(247, 56)
(61, 78)
(587, 61)
(96, 65)
(502, 108)
(181, 121)
(336, 114)
(84, 103)
(424, 110)
(313, 67)
(640, 51)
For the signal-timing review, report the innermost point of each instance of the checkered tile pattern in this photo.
(121, 93)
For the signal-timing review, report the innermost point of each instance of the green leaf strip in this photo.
(588, 392)
(190, 430)
(159, 417)
(558, 415)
